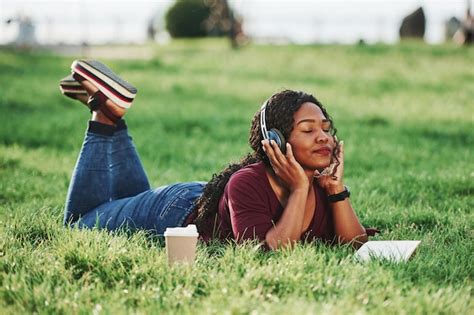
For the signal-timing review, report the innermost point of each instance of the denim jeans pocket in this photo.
(179, 201)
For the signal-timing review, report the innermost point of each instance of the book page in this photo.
(395, 251)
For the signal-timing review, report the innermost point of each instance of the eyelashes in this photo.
(310, 131)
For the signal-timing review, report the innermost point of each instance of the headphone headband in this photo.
(274, 134)
(263, 124)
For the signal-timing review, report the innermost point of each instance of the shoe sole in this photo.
(71, 88)
(115, 88)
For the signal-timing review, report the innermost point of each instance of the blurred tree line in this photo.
(200, 18)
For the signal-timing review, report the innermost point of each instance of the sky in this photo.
(299, 21)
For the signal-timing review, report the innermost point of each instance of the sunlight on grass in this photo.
(405, 113)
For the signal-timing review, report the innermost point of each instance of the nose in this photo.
(322, 137)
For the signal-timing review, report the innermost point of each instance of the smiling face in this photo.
(311, 138)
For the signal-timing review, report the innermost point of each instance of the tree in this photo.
(186, 18)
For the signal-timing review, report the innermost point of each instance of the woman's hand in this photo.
(346, 224)
(332, 182)
(286, 167)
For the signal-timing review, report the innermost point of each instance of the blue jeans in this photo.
(109, 188)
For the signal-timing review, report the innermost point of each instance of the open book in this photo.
(395, 251)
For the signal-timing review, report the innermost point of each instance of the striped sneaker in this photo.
(71, 88)
(111, 85)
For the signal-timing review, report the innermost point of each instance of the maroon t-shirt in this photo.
(249, 208)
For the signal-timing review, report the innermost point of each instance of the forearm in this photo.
(346, 224)
(289, 227)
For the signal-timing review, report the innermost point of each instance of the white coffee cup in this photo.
(181, 244)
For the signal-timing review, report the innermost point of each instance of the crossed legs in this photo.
(108, 168)
(109, 188)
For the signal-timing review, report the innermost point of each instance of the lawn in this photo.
(405, 113)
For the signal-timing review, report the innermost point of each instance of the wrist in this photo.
(340, 196)
(302, 184)
(302, 188)
(336, 189)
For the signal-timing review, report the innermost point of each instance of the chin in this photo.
(313, 164)
(322, 164)
(319, 166)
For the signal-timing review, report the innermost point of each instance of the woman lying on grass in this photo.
(281, 193)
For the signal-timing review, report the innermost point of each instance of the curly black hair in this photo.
(279, 113)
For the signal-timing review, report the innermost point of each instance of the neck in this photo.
(310, 174)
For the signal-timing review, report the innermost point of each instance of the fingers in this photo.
(272, 155)
(333, 174)
(268, 148)
(340, 156)
(273, 152)
(317, 174)
(278, 154)
(323, 181)
(289, 153)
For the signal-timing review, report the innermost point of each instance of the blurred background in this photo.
(71, 24)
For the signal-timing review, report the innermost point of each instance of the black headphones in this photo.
(272, 134)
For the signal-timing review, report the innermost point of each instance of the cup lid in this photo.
(190, 230)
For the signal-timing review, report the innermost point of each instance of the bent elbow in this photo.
(275, 243)
(355, 241)
(359, 240)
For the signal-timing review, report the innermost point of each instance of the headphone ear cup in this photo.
(277, 136)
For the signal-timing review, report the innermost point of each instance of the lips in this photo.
(323, 151)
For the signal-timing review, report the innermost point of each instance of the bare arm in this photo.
(346, 224)
(289, 228)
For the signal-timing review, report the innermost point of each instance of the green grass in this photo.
(405, 113)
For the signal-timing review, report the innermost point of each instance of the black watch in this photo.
(340, 196)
